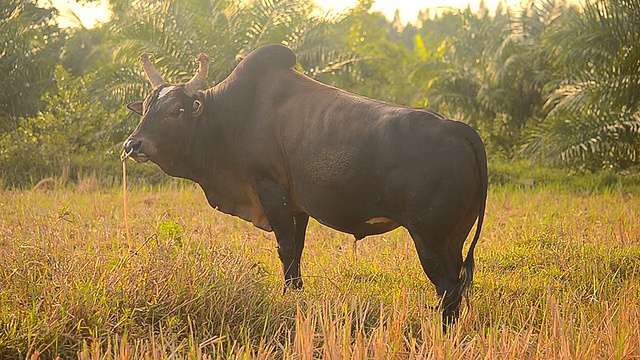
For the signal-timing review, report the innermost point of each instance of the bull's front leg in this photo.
(289, 229)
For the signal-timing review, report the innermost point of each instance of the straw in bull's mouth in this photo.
(125, 155)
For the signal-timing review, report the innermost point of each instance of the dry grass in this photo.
(557, 277)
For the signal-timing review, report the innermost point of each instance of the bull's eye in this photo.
(177, 113)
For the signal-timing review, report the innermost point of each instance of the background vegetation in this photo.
(548, 83)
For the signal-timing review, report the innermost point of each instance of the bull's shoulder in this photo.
(266, 58)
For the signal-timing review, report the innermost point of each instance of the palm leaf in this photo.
(593, 113)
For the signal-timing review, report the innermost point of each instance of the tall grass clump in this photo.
(557, 277)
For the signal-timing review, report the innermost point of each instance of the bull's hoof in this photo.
(293, 284)
(449, 318)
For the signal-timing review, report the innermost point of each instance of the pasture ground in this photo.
(557, 276)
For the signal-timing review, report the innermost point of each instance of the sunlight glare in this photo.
(409, 9)
(89, 14)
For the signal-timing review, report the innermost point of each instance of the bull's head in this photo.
(167, 115)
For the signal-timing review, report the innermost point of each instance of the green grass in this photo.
(557, 276)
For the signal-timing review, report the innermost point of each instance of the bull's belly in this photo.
(374, 226)
(351, 207)
(359, 228)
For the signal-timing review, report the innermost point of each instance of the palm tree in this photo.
(175, 31)
(29, 51)
(594, 112)
(495, 72)
(519, 70)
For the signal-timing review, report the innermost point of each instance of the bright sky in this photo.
(71, 12)
(93, 12)
(409, 8)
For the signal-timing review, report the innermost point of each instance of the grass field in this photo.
(558, 276)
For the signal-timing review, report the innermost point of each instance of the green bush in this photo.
(74, 135)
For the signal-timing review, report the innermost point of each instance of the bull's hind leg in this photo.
(443, 270)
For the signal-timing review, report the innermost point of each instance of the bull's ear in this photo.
(197, 107)
(136, 107)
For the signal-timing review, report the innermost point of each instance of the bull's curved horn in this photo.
(152, 74)
(199, 79)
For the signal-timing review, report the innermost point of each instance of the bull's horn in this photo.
(152, 74)
(199, 79)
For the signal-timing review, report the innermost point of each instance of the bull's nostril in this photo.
(132, 146)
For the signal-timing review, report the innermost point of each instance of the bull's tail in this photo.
(466, 273)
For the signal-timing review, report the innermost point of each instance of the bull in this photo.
(275, 147)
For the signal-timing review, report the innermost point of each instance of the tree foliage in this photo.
(75, 133)
(544, 81)
(29, 51)
(594, 110)
(175, 31)
(496, 70)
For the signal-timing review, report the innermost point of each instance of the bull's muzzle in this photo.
(132, 148)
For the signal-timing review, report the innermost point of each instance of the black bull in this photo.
(274, 147)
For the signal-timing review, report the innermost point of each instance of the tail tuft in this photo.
(466, 275)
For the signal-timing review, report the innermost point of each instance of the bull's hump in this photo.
(266, 58)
